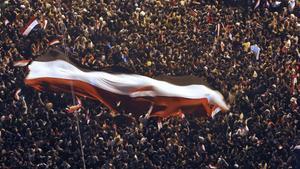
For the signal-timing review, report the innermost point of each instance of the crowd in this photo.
(250, 55)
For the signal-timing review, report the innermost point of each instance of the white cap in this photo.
(142, 13)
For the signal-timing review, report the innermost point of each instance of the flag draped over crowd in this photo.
(134, 93)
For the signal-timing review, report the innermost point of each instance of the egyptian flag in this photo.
(132, 93)
(33, 22)
(54, 40)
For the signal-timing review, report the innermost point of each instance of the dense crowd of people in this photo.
(250, 55)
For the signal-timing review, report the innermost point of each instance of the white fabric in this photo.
(118, 83)
(216, 111)
(292, 4)
(45, 24)
(56, 41)
(256, 50)
(30, 27)
(6, 22)
(257, 4)
(276, 4)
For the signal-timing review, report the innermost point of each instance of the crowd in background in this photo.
(250, 55)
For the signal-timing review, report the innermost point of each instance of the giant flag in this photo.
(133, 93)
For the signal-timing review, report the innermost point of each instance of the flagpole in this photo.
(80, 140)
(73, 96)
(78, 128)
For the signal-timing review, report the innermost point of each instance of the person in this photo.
(178, 38)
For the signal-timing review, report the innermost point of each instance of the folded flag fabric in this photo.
(131, 92)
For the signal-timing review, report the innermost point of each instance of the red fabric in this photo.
(163, 107)
(25, 27)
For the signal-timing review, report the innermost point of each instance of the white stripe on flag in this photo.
(56, 41)
(60, 74)
(257, 4)
(45, 24)
(125, 84)
(217, 110)
(30, 27)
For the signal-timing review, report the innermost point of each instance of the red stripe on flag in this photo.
(30, 25)
(21, 63)
(53, 42)
(29, 22)
(163, 106)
